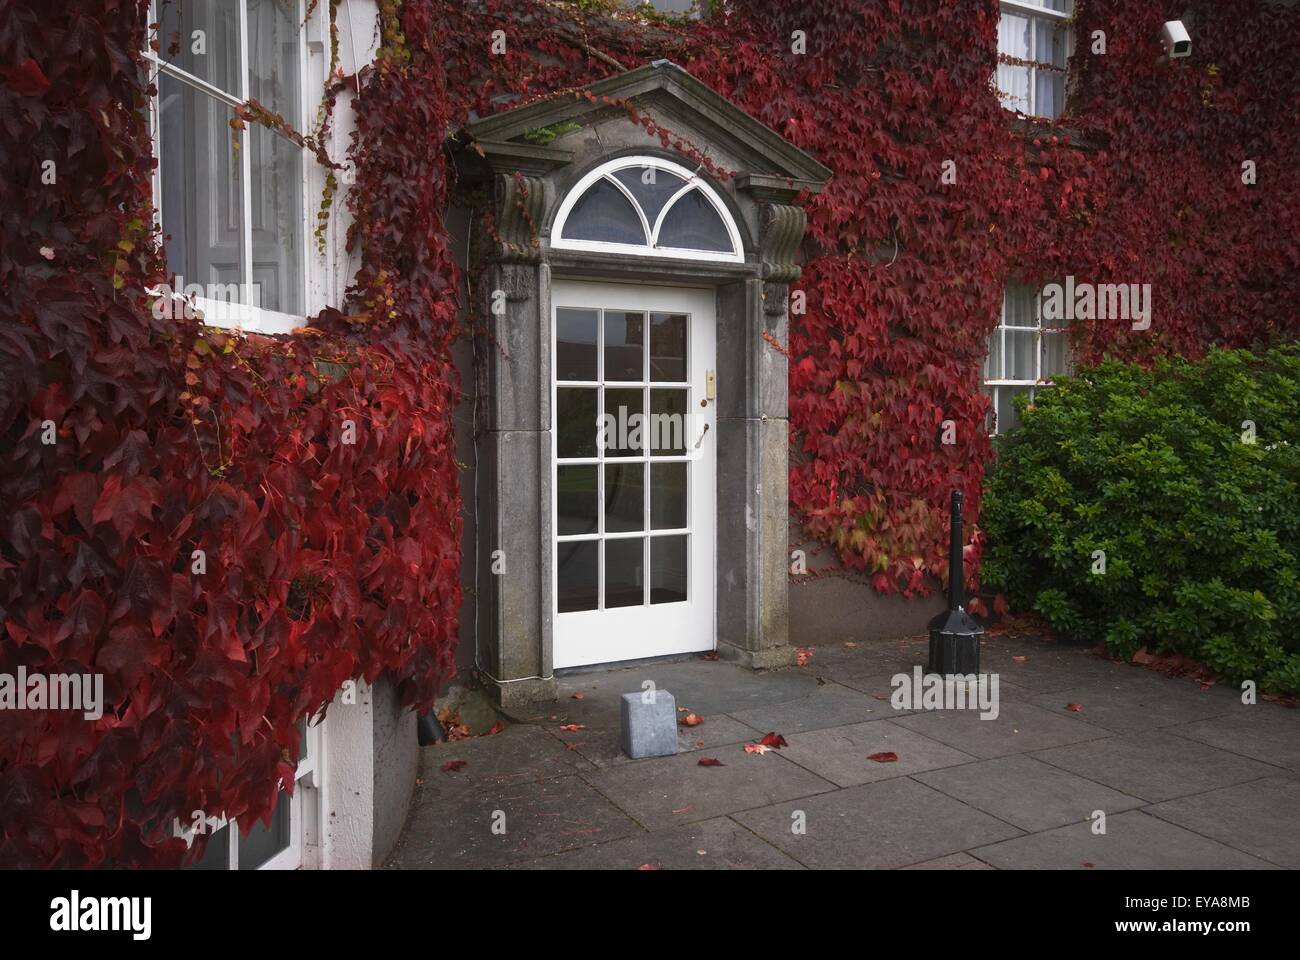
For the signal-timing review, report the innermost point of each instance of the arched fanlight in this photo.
(647, 206)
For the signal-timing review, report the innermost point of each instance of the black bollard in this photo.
(954, 635)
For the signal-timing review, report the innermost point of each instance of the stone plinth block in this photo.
(649, 729)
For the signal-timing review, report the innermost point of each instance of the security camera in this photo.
(1177, 41)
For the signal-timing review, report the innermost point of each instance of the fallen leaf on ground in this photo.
(573, 727)
(710, 762)
(1019, 659)
(579, 696)
(885, 756)
(451, 766)
(647, 866)
(1074, 707)
(699, 743)
(496, 728)
(691, 720)
(1087, 864)
(711, 655)
(452, 725)
(571, 745)
(850, 644)
(756, 748)
(803, 655)
(774, 740)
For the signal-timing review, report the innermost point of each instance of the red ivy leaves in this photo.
(199, 533)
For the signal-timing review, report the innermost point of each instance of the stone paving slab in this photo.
(1264, 731)
(1156, 766)
(1261, 817)
(880, 687)
(704, 686)
(539, 818)
(840, 754)
(1188, 777)
(718, 844)
(599, 742)
(1126, 706)
(666, 791)
(954, 861)
(1049, 667)
(1018, 728)
(1027, 793)
(893, 823)
(830, 705)
(519, 753)
(1133, 841)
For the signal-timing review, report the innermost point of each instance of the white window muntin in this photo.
(255, 319)
(693, 182)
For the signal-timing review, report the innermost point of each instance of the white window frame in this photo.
(693, 182)
(1031, 9)
(240, 315)
(993, 386)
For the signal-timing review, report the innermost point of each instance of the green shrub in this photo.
(1200, 528)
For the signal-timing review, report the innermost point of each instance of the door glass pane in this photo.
(692, 223)
(624, 416)
(668, 423)
(575, 422)
(667, 496)
(668, 569)
(576, 575)
(575, 343)
(202, 209)
(624, 345)
(651, 186)
(668, 346)
(206, 33)
(624, 572)
(624, 497)
(603, 213)
(575, 493)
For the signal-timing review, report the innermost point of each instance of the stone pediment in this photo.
(765, 164)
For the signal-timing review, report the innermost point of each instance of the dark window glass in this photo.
(603, 213)
(575, 422)
(575, 343)
(624, 572)
(624, 422)
(575, 494)
(624, 345)
(693, 224)
(624, 497)
(667, 569)
(652, 188)
(576, 575)
(668, 346)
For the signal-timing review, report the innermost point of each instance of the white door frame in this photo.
(635, 632)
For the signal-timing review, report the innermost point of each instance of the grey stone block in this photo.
(649, 729)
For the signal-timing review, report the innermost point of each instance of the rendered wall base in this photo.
(370, 762)
(832, 609)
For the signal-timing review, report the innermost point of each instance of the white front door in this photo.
(633, 456)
